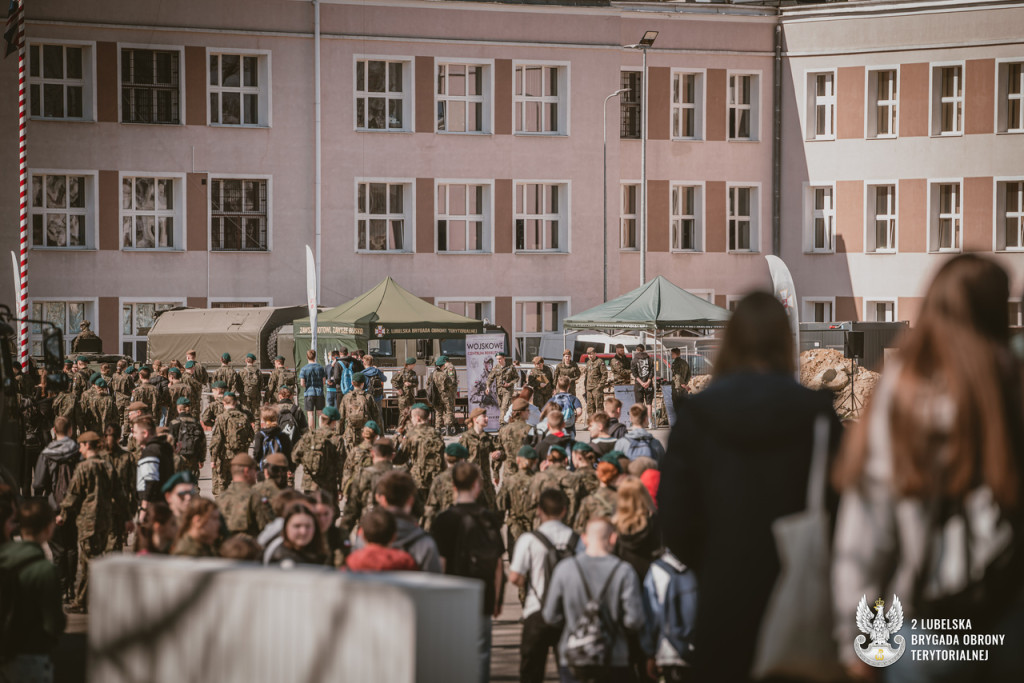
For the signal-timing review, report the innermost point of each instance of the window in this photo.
(881, 228)
(945, 217)
(1016, 314)
(821, 106)
(63, 314)
(382, 94)
(62, 212)
(686, 215)
(631, 106)
(1011, 97)
(238, 214)
(240, 304)
(541, 99)
(136, 319)
(150, 86)
(821, 218)
(534, 319)
(947, 100)
(150, 212)
(819, 310)
(880, 311)
(463, 217)
(628, 214)
(687, 106)
(478, 310)
(883, 97)
(743, 114)
(381, 216)
(60, 81)
(743, 219)
(1010, 215)
(541, 217)
(461, 98)
(239, 92)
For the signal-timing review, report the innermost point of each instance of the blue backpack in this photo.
(678, 612)
(565, 402)
(346, 378)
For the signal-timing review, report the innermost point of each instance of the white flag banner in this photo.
(311, 295)
(785, 292)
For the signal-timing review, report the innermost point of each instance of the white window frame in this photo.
(265, 300)
(872, 103)
(133, 338)
(179, 213)
(486, 99)
(562, 99)
(1003, 125)
(731, 300)
(870, 243)
(270, 213)
(564, 216)
(1019, 322)
(808, 307)
(999, 215)
(754, 106)
(706, 294)
(91, 211)
(408, 93)
(698, 216)
(487, 217)
(180, 49)
(488, 302)
(263, 91)
(700, 76)
(934, 216)
(408, 216)
(871, 303)
(518, 334)
(935, 99)
(91, 314)
(624, 216)
(814, 100)
(87, 82)
(828, 214)
(754, 218)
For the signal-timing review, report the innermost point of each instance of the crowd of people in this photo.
(612, 541)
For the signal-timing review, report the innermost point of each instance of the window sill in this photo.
(1010, 250)
(632, 250)
(540, 135)
(238, 125)
(813, 252)
(63, 249)
(1014, 131)
(952, 134)
(469, 133)
(946, 251)
(539, 252)
(743, 252)
(240, 251)
(882, 137)
(155, 250)
(686, 251)
(383, 130)
(463, 253)
(881, 252)
(153, 123)
(830, 138)
(60, 119)
(741, 140)
(687, 139)
(385, 252)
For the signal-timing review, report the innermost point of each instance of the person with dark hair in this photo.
(939, 451)
(335, 542)
(642, 368)
(157, 531)
(360, 493)
(54, 471)
(301, 542)
(722, 487)
(377, 528)
(200, 528)
(124, 468)
(156, 461)
(241, 547)
(275, 467)
(396, 493)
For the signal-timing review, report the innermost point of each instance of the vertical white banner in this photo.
(785, 292)
(311, 295)
(480, 352)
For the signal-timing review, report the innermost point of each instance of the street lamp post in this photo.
(645, 42)
(604, 239)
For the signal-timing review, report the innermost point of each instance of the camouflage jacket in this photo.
(80, 382)
(123, 385)
(279, 377)
(234, 506)
(357, 407)
(252, 383)
(512, 437)
(148, 394)
(440, 498)
(444, 386)
(405, 383)
(232, 433)
(503, 377)
(176, 391)
(200, 374)
(360, 494)
(542, 382)
(322, 462)
(424, 448)
(195, 395)
(620, 370)
(600, 503)
(99, 410)
(554, 477)
(516, 499)
(596, 373)
(480, 447)
(260, 510)
(227, 374)
(124, 467)
(212, 412)
(584, 483)
(572, 371)
(359, 458)
(64, 405)
(680, 374)
(94, 498)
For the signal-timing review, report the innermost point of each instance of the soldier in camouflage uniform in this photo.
(195, 388)
(602, 502)
(232, 433)
(123, 384)
(189, 439)
(620, 367)
(98, 406)
(216, 405)
(279, 377)
(360, 495)
(567, 368)
(555, 476)
(443, 403)
(483, 450)
(584, 478)
(93, 499)
(680, 378)
(80, 380)
(85, 334)
(225, 373)
(252, 383)
(442, 489)
(135, 409)
(234, 500)
(361, 456)
(177, 389)
(515, 498)
(541, 381)
(124, 467)
(423, 448)
(64, 405)
(199, 372)
(596, 377)
(321, 458)
(513, 435)
(405, 384)
(357, 407)
(504, 377)
(276, 469)
(146, 392)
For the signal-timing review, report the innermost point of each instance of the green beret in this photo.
(183, 401)
(374, 426)
(410, 361)
(174, 371)
(147, 368)
(226, 357)
(444, 359)
(93, 377)
(580, 446)
(527, 452)
(612, 458)
(420, 406)
(331, 413)
(558, 449)
(231, 394)
(456, 450)
(502, 354)
(82, 359)
(101, 383)
(220, 384)
(131, 369)
(68, 361)
(190, 364)
(179, 478)
(358, 378)
(249, 356)
(280, 358)
(439, 361)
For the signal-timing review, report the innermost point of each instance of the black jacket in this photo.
(61, 452)
(738, 458)
(642, 548)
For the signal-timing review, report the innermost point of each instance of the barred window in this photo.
(238, 214)
(631, 106)
(150, 86)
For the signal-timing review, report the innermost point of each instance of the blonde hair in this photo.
(634, 508)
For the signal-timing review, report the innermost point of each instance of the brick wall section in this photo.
(196, 218)
(980, 96)
(109, 324)
(657, 215)
(503, 315)
(720, 301)
(850, 216)
(715, 123)
(504, 237)
(109, 206)
(715, 216)
(503, 96)
(196, 302)
(659, 102)
(850, 102)
(107, 81)
(913, 216)
(848, 308)
(195, 85)
(913, 104)
(424, 76)
(424, 215)
(977, 213)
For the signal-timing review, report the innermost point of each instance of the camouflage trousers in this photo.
(504, 402)
(595, 401)
(220, 472)
(88, 549)
(445, 410)
(404, 409)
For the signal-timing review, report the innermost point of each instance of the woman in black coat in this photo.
(738, 458)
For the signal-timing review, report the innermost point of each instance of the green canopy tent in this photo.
(385, 312)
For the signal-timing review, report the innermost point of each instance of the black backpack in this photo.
(288, 424)
(271, 444)
(478, 549)
(552, 557)
(190, 441)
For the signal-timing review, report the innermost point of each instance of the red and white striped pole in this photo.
(23, 189)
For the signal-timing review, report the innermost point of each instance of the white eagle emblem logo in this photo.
(879, 628)
(379, 330)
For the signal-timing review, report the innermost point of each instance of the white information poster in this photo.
(624, 392)
(480, 352)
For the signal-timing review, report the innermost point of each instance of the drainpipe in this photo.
(316, 104)
(777, 144)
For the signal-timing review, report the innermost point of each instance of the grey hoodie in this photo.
(60, 452)
(632, 444)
